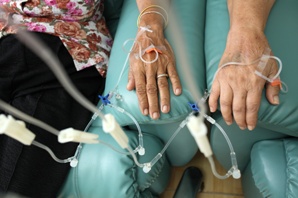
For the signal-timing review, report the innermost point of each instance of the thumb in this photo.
(272, 91)
(273, 87)
(131, 81)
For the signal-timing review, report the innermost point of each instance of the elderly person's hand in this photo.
(237, 87)
(151, 64)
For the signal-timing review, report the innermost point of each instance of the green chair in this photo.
(102, 172)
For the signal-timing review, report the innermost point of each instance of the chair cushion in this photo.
(274, 167)
(102, 172)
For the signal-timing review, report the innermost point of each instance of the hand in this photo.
(237, 87)
(153, 91)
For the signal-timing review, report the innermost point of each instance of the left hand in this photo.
(153, 91)
(238, 88)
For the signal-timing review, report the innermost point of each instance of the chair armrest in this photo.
(274, 167)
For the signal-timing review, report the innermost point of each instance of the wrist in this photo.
(241, 29)
(153, 20)
(154, 16)
(247, 25)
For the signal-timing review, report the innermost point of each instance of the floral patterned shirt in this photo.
(79, 24)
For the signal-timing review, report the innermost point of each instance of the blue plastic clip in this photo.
(105, 99)
(194, 107)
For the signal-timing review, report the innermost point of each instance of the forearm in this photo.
(249, 13)
(154, 20)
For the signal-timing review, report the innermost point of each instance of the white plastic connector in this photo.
(236, 174)
(74, 163)
(141, 151)
(72, 135)
(16, 129)
(198, 130)
(147, 167)
(111, 126)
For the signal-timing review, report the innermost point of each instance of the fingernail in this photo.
(155, 115)
(250, 127)
(229, 123)
(276, 100)
(211, 109)
(145, 112)
(177, 91)
(165, 108)
(242, 128)
(128, 84)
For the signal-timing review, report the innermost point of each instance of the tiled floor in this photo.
(213, 187)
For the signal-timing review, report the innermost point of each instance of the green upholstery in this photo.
(269, 159)
(261, 153)
(266, 156)
(94, 175)
(102, 172)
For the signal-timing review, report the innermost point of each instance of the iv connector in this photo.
(16, 129)
(72, 135)
(198, 130)
(111, 126)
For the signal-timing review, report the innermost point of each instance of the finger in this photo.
(273, 88)
(226, 101)
(272, 92)
(151, 89)
(253, 101)
(140, 84)
(214, 96)
(239, 108)
(173, 74)
(175, 80)
(131, 81)
(164, 94)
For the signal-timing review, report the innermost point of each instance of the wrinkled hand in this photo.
(152, 92)
(237, 87)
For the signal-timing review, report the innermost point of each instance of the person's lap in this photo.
(27, 84)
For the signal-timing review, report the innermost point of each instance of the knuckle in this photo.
(143, 103)
(162, 83)
(175, 81)
(238, 109)
(174, 76)
(151, 89)
(253, 108)
(225, 103)
(164, 101)
(154, 107)
(140, 89)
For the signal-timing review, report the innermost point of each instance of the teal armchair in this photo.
(102, 172)
(267, 156)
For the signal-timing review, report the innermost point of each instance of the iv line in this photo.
(44, 55)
